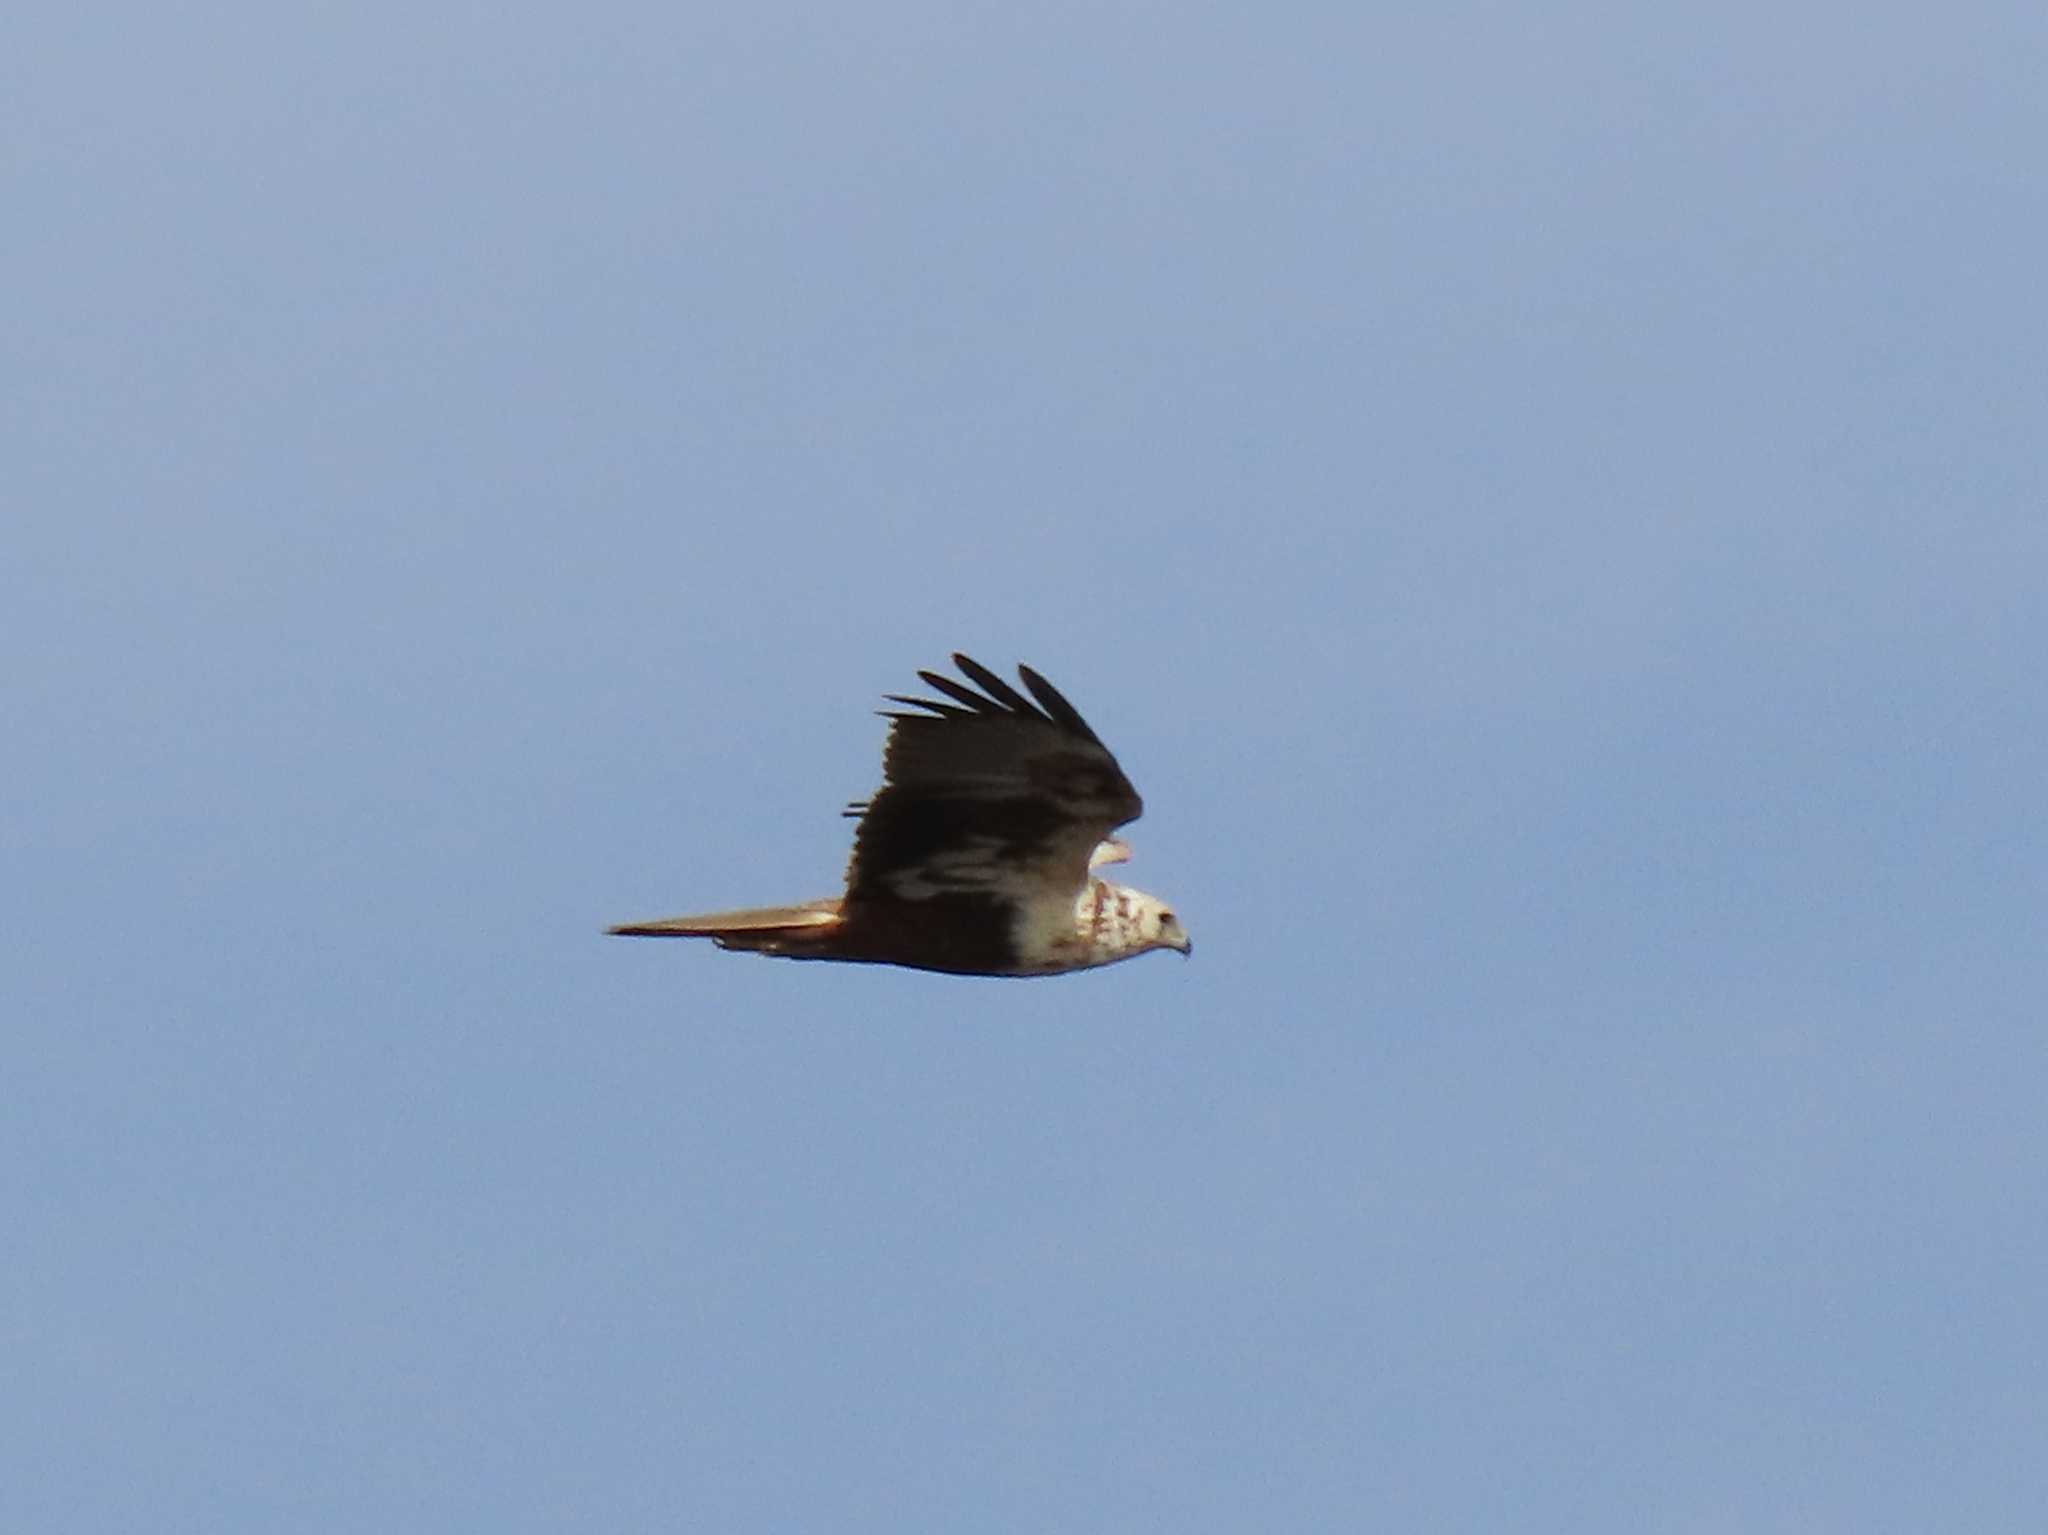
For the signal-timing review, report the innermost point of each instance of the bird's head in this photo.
(1159, 927)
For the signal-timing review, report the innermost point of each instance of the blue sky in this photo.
(1547, 505)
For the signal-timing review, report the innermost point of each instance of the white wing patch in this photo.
(1048, 933)
(976, 865)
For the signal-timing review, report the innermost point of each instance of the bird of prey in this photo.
(978, 854)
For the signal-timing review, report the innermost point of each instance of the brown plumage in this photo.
(976, 856)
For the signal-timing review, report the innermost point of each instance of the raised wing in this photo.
(989, 793)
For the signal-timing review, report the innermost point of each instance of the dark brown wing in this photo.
(989, 794)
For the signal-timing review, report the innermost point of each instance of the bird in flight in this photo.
(978, 854)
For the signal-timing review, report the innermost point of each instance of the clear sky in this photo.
(1548, 505)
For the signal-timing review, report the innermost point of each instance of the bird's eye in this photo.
(1166, 919)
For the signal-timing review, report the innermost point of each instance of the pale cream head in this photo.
(1157, 925)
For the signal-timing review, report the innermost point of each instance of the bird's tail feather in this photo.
(754, 927)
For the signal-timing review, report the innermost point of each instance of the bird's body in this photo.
(977, 856)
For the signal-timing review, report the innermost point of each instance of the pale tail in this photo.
(755, 927)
